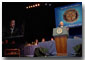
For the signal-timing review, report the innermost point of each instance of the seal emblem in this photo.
(59, 30)
(70, 15)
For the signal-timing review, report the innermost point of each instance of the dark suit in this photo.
(15, 32)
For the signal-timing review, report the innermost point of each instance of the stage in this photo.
(50, 45)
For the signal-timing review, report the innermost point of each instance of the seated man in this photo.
(43, 39)
(52, 39)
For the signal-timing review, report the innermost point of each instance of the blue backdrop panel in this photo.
(59, 12)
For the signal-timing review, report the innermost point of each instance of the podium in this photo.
(60, 35)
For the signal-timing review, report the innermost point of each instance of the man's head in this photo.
(12, 23)
(52, 39)
(61, 23)
(43, 39)
(36, 40)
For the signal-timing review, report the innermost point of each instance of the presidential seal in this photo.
(71, 15)
(59, 30)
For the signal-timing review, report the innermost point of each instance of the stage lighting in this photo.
(45, 4)
(38, 4)
(33, 5)
(27, 7)
(49, 4)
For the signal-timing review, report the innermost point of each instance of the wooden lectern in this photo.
(60, 35)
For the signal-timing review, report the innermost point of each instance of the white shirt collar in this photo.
(61, 26)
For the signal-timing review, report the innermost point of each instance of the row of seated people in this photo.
(37, 41)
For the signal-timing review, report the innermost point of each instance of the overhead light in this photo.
(33, 5)
(38, 4)
(27, 7)
(45, 4)
(49, 4)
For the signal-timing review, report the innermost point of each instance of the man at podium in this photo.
(60, 36)
(62, 25)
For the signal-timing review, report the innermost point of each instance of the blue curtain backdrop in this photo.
(59, 12)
